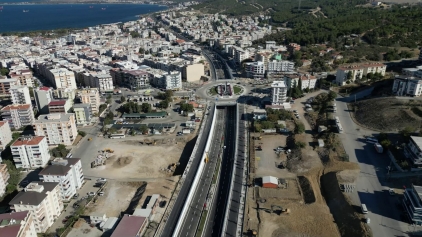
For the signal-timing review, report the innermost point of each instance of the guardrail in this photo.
(197, 178)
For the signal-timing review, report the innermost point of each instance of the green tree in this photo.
(122, 99)
(406, 133)
(186, 107)
(267, 125)
(82, 133)
(164, 104)
(141, 50)
(299, 128)
(257, 127)
(144, 129)
(146, 108)
(331, 96)
(300, 144)
(4, 71)
(349, 75)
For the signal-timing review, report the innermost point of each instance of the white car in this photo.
(102, 180)
(91, 194)
(391, 192)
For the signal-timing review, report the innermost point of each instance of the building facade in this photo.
(58, 128)
(5, 85)
(30, 152)
(412, 201)
(407, 86)
(42, 200)
(280, 66)
(18, 115)
(67, 172)
(17, 224)
(5, 135)
(83, 114)
(255, 70)
(91, 97)
(20, 95)
(43, 96)
(193, 72)
(278, 93)
(358, 71)
(172, 80)
(4, 178)
(59, 106)
(61, 78)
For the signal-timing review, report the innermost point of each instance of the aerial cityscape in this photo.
(210, 118)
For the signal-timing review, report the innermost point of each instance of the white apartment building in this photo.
(358, 71)
(4, 178)
(407, 86)
(20, 95)
(30, 152)
(82, 114)
(91, 97)
(280, 66)
(255, 70)
(42, 200)
(43, 96)
(104, 82)
(5, 135)
(67, 172)
(240, 55)
(61, 78)
(5, 85)
(279, 93)
(307, 80)
(58, 128)
(17, 224)
(18, 115)
(172, 80)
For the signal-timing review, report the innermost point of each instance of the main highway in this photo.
(189, 178)
(193, 216)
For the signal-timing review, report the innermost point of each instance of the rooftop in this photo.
(28, 141)
(54, 117)
(17, 107)
(59, 169)
(278, 84)
(57, 103)
(10, 223)
(417, 140)
(33, 198)
(129, 226)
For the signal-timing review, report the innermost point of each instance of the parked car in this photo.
(76, 205)
(76, 196)
(91, 194)
(391, 192)
(103, 180)
(101, 194)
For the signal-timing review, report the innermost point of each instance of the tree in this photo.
(272, 117)
(349, 75)
(122, 99)
(82, 133)
(267, 125)
(331, 96)
(141, 50)
(406, 133)
(164, 104)
(146, 108)
(257, 127)
(300, 144)
(299, 128)
(143, 129)
(186, 107)
(4, 71)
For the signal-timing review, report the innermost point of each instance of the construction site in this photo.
(311, 194)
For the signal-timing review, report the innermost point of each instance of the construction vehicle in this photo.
(258, 148)
(89, 139)
(256, 138)
(206, 158)
(108, 150)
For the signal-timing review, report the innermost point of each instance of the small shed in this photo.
(97, 218)
(322, 128)
(320, 143)
(269, 182)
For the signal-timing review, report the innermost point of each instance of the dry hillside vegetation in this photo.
(388, 114)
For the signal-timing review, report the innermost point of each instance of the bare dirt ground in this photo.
(131, 160)
(82, 229)
(388, 114)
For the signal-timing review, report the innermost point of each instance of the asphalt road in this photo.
(193, 216)
(371, 185)
(181, 198)
(216, 222)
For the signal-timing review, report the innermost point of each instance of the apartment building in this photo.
(193, 72)
(91, 97)
(30, 152)
(170, 81)
(42, 200)
(5, 85)
(25, 77)
(255, 70)
(65, 94)
(358, 71)
(61, 78)
(20, 95)
(59, 106)
(83, 114)
(240, 55)
(308, 81)
(4, 178)
(18, 115)
(407, 86)
(58, 128)
(17, 224)
(413, 150)
(412, 201)
(278, 93)
(136, 79)
(67, 172)
(43, 96)
(280, 66)
(5, 135)
(413, 72)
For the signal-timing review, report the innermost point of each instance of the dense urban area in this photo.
(216, 118)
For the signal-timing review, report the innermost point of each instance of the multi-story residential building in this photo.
(17, 224)
(131, 226)
(43, 96)
(59, 106)
(170, 81)
(240, 55)
(4, 178)
(136, 79)
(5, 85)
(413, 72)
(413, 150)
(20, 95)
(91, 97)
(279, 93)
(61, 78)
(308, 81)
(83, 114)
(255, 70)
(57, 128)
(412, 201)
(25, 77)
(358, 71)
(18, 115)
(67, 172)
(5, 135)
(104, 82)
(66, 94)
(407, 86)
(280, 66)
(30, 152)
(42, 200)
(193, 72)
